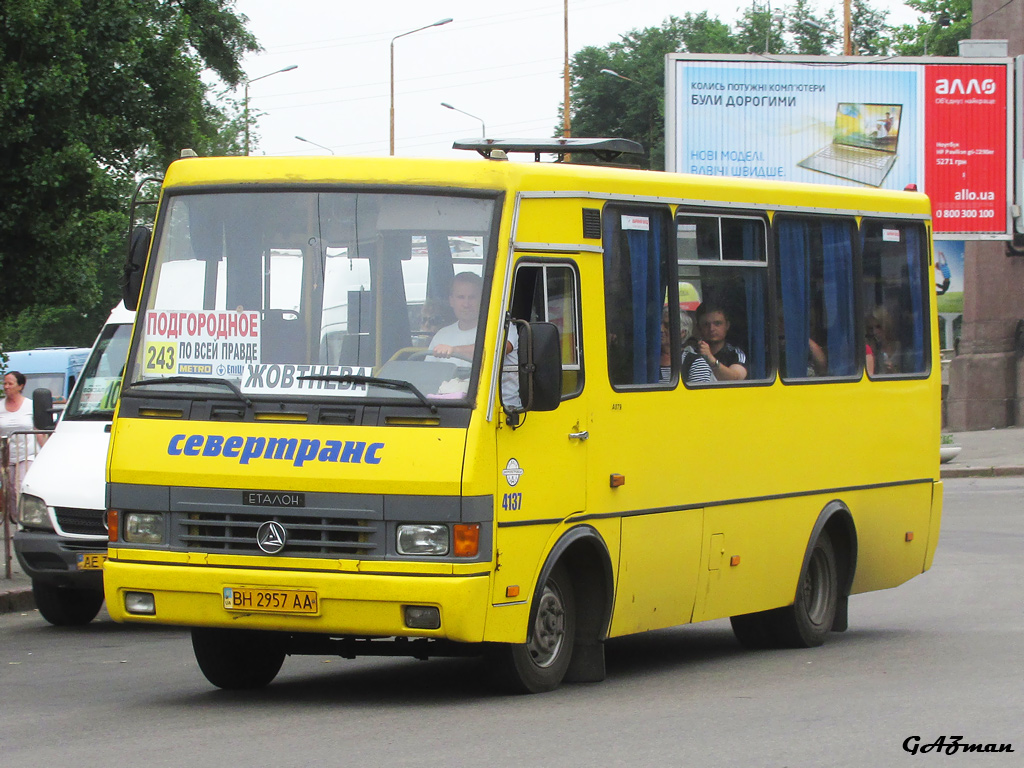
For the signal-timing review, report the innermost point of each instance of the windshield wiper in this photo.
(196, 380)
(352, 378)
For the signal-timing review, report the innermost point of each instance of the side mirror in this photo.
(134, 267)
(540, 366)
(42, 409)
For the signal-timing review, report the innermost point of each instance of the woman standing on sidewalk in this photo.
(16, 416)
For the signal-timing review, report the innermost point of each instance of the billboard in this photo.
(942, 124)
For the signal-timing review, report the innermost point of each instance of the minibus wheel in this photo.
(237, 659)
(807, 622)
(66, 606)
(539, 664)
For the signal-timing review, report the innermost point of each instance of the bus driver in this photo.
(457, 341)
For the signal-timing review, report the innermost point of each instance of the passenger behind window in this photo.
(884, 341)
(695, 369)
(728, 362)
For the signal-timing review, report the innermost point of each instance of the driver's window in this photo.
(550, 293)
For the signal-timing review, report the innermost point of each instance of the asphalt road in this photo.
(939, 656)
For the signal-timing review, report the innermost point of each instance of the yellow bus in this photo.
(514, 409)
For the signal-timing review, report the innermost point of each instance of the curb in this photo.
(17, 600)
(982, 472)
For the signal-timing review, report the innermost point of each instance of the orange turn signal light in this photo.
(617, 480)
(512, 591)
(734, 560)
(909, 536)
(467, 539)
(112, 519)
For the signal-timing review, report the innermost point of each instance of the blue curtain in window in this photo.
(753, 283)
(915, 355)
(645, 282)
(837, 270)
(794, 252)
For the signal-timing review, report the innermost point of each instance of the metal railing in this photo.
(12, 474)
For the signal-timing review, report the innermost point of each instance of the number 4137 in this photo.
(510, 502)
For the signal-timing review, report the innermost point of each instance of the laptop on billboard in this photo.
(863, 147)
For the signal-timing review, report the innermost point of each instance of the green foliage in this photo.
(632, 106)
(93, 94)
(939, 28)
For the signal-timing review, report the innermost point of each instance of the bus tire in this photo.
(66, 606)
(539, 665)
(807, 622)
(238, 659)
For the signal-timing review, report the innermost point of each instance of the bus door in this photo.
(542, 460)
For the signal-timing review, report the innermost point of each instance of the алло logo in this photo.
(271, 537)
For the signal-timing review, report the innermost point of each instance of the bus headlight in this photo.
(32, 513)
(143, 528)
(422, 539)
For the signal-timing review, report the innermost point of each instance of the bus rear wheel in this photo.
(540, 664)
(66, 606)
(807, 622)
(238, 659)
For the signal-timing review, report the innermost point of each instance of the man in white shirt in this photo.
(456, 342)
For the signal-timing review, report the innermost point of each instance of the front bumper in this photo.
(52, 559)
(350, 603)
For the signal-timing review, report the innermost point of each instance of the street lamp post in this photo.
(315, 144)
(613, 73)
(483, 128)
(943, 21)
(246, 100)
(404, 34)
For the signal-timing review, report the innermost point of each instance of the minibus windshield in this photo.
(327, 294)
(100, 385)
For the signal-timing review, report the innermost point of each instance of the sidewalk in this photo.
(986, 453)
(16, 592)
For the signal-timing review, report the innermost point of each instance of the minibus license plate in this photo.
(252, 600)
(91, 561)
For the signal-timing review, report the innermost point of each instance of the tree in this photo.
(812, 35)
(870, 35)
(631, 106)
(940, 27)
(760, 30)
(94, 93)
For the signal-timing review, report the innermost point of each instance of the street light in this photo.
(410, 32)
(483, 128)
(613, 73)
(315, 144)
(944, 21)
(246, 101)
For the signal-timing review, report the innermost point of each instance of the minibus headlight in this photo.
(32, 513)
(143, 528)
(423, 539)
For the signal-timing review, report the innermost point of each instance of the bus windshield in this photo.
(303, 293)
(96, 394)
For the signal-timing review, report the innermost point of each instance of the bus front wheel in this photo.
(237, 659)
(539, 665)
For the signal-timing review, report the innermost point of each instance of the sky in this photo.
(500, 62)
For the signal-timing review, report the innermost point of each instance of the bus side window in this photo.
(637, 251)
(549, 293)
(722, 270)
(817, 322)
(894, 290)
